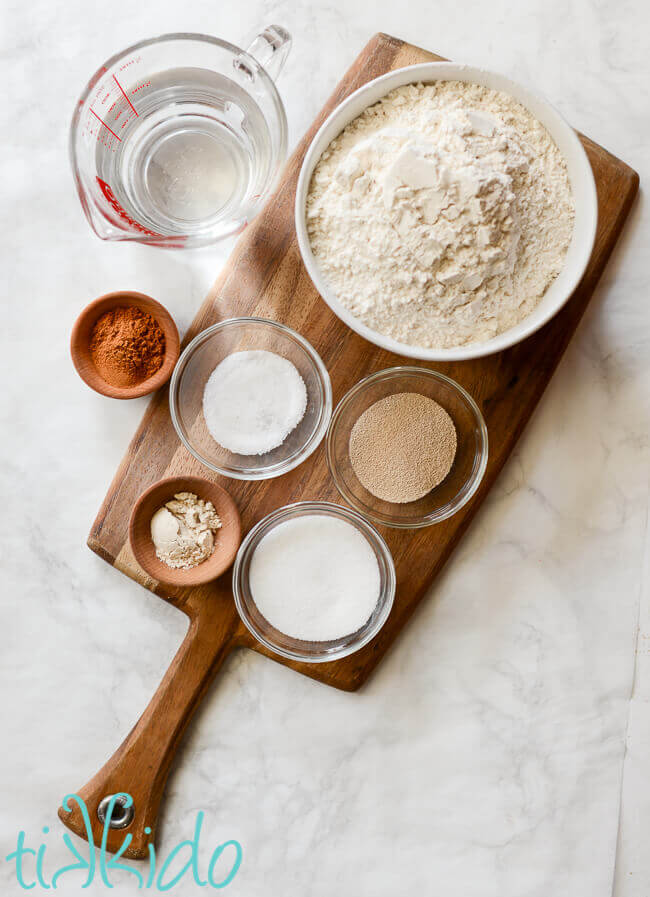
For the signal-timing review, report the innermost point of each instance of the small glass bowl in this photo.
(202, 356)
(297, 649)
(469, 465)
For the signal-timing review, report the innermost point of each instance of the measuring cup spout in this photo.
(270, 48)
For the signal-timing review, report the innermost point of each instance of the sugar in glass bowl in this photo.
(197, 363)
(298, 649)
(468, 467)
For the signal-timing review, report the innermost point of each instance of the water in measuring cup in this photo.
(197, 151)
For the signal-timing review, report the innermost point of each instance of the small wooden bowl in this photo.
(80, 343)
(226, 540)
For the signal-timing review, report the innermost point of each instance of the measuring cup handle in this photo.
(270, 48)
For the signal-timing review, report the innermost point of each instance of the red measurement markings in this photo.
(105, 125)
(125, 96)
(115, 205)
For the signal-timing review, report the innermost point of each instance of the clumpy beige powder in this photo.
(402, 447)
(183, 531)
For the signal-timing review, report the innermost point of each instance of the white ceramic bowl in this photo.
(580, 175)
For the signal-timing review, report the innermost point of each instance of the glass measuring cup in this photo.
(177, 141)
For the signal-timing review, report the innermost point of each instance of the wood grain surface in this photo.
(265, 277)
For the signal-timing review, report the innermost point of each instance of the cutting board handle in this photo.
(140, 766)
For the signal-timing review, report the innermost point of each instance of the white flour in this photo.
(441, 214)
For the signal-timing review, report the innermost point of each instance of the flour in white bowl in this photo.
(441, 215)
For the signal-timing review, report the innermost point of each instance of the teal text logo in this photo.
(29, 862)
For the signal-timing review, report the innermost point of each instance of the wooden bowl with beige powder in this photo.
(407, 447)
(226, 539)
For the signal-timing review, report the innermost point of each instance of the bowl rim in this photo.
(325, 412)
(394, 373)
(425, 73)
(204, 572)
(366, 527)
(80, 350)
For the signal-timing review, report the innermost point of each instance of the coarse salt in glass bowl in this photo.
(198, 361)
(299, 649)
(468, 467)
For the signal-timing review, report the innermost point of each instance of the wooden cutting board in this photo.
(265, 277)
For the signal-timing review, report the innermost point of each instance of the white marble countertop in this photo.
(485, 756)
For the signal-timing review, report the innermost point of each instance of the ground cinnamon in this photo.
(127, 346)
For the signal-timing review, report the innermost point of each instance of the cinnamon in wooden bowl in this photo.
(125, 345)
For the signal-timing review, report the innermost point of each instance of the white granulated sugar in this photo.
(315, 578)
(441, 215)
(253, 400)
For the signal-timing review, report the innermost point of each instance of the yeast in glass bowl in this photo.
(469, 462)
